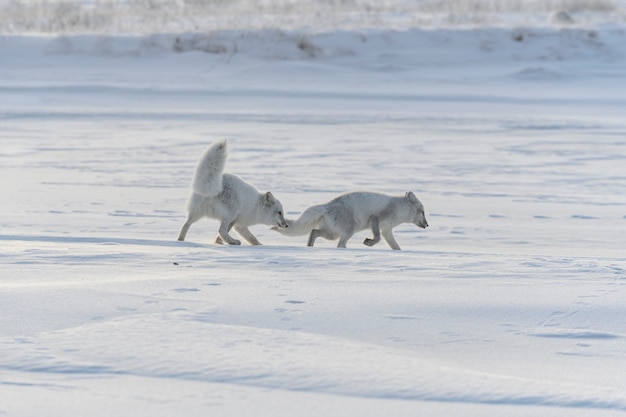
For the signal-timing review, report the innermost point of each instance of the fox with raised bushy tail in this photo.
(349, 213)
(229, 199)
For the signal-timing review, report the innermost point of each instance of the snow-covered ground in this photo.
(512, 302)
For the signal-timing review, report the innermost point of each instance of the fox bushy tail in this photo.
(207, 180)
(303, 224)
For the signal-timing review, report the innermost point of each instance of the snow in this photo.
(510, 303)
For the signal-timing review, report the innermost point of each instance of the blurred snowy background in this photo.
(151, 16)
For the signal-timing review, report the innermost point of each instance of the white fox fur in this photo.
(349, 213)
(229, 199)
(207, 179)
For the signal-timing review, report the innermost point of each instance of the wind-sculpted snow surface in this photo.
(510, 303)
(184, 346)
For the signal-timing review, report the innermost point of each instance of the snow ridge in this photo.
(285, 360)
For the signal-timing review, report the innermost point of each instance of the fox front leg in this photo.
(224, 229)
(375, 230)
(388, 235)
(247, 234)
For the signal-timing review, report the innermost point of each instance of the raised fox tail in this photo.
(303, 224)
(207, 180)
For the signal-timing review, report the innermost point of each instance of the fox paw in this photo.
(369, 242)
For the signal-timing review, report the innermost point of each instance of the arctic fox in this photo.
(229, 199)
(349, 213)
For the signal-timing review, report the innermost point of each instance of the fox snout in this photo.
(422, 223)
(282, 224)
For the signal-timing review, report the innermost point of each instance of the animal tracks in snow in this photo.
(184, 290)
(575, 334)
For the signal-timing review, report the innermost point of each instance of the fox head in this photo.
(273, 211)
(417, 210)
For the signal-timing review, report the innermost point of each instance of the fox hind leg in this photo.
(191, 219)
(344, 237)
(315, 233)
(343, 241)
(184, 230)
(323, 232)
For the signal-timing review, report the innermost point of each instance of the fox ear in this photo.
(410, 196)
(268, 198)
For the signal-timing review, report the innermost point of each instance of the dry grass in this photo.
(147, 16)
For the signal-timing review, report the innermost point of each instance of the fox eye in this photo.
(280, 213)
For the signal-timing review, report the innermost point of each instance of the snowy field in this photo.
(512, 302)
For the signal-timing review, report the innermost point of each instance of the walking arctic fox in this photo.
(229, 199)
(349, 213)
